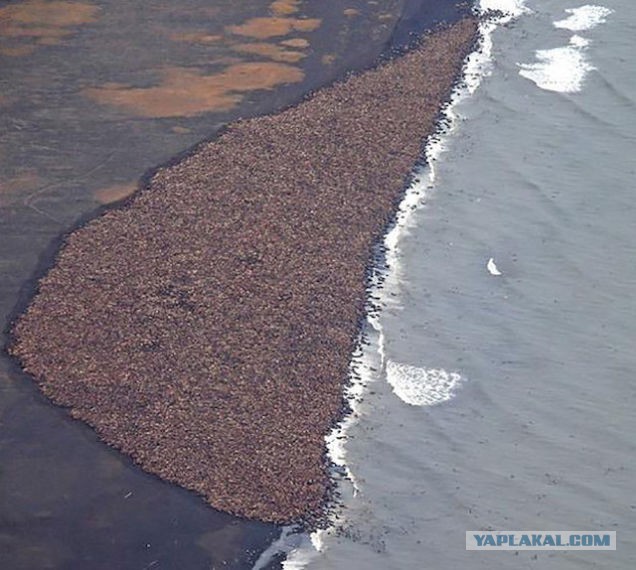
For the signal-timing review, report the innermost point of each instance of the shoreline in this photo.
(179, 297)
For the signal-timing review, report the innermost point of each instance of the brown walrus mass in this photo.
(205, 327)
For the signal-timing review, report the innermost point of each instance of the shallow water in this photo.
(90, 100)
(537, 431)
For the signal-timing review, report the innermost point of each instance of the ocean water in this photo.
(498, 375)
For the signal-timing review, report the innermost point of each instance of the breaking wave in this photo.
(563, 69)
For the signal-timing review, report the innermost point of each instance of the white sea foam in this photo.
(561, 69)
(584, 18)
(361, 375)
(421, 386)
(578, 41)
(492, 268)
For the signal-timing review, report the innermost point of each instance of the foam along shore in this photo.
(205, 327)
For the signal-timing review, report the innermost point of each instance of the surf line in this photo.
(369, 362)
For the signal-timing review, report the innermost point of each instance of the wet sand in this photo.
(210, 338)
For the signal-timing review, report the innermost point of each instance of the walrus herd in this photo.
(205, 326)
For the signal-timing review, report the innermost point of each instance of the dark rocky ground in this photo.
(205, 327)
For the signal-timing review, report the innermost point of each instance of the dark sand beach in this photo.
(205, 327)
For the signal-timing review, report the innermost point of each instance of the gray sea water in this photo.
(506, 402)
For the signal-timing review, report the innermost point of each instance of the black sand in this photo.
(205, 328)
